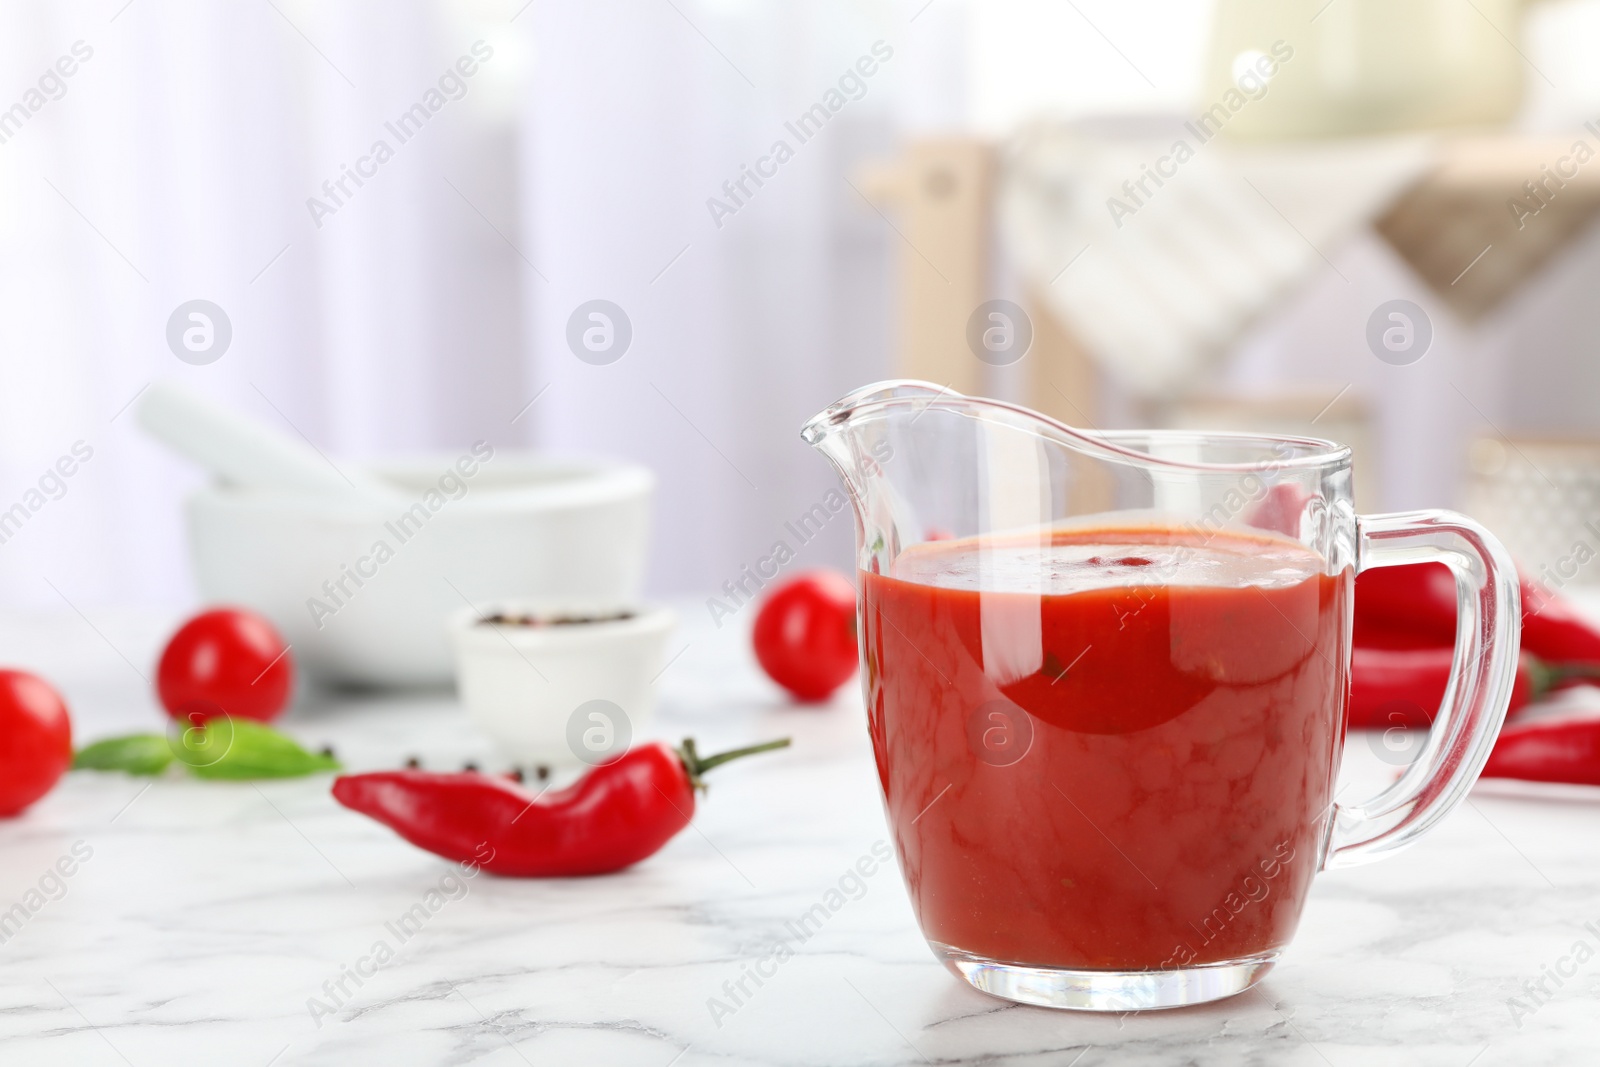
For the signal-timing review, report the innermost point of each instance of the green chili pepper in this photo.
(239, 749)
(134, 754)
(221, 749)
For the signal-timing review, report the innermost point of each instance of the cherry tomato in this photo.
(35, 739)
(805, 634)
(225, 661)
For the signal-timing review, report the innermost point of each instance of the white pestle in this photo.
(247, 452)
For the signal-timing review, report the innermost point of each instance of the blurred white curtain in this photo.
(431, 306)
(177, 164)
(636, 114)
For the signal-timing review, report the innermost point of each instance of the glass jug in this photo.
(1106, 676)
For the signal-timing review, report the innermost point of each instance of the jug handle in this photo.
(1488, 636)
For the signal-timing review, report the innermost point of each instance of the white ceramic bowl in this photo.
(563, 693)
(523, 526)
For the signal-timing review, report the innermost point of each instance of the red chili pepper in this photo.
(1553, 630)
(1404, 687)
(1551, 751)
(1415, 606)
(612, 818)
(1406, 607)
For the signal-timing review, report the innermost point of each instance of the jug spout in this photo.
(860, 435)
(837, 417)
(853, 431)
(923, 463)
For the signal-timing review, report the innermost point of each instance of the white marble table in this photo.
(208, 915)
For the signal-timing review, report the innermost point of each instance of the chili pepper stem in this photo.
(1546, 676)
(696, 764)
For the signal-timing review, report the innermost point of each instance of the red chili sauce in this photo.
(1107, 749)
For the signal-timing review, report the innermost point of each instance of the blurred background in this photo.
(1379, 228)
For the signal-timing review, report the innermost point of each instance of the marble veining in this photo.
(209, 921)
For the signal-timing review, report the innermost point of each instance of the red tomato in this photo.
(805, 634)
(35, 740)
(225, 661)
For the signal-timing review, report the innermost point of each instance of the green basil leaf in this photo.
(240, 749)
(134, 754)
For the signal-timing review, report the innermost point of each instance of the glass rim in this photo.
(1313, 453)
